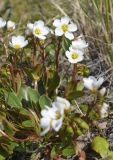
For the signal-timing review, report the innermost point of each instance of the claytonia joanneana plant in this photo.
(18, 42)
(43, 101)
(65, 27)
(2, 22)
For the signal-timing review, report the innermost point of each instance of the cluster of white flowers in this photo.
(76, 51)
(63, 27)
(52, 118)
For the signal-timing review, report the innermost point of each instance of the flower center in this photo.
(94, 90)
(64, 27)
(74, 55)
(58, 115)
(17, 46)
(37, 31)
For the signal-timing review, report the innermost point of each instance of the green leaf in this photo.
(66, 44)
(73, 90)
(80, 86)
(2, 157)
(101, 146)
(13, 100)
(53, 152)
(33, 95)
(27, 123)
(29, 94)
(68, 151)
(78, 131)
(8, 128)
(24, 112)
(50, 49)
(23, 93)
(84, 108)
(36, 72)
(53, 82)
(44, 101)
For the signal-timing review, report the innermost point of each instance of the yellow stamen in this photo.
(37, 31)
(64, 27)
(58, 115)
(94, 90)
(74, 55)
(17, 46)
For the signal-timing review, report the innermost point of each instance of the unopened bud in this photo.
(102, 91)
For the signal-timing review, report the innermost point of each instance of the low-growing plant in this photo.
(44, 86)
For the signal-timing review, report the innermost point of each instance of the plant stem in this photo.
(34, 52)
(57, 53)
(12, 76)
(43, 57)
(74, 73)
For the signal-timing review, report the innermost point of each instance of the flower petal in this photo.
(25, 43)
(30, 26)
(41, 37)
(59, 107)
(69, 35)
(56, 23)
(56, 124)
(63, 101)
(58, 32)
(67, 54)
(45, 122)
(72, 27)
(39, 23)
(45, 30)
(88, 83)
(79, 44)
(65, 20)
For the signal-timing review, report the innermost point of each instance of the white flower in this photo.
(18, 42)
(51, 119)
(64, 27)
(40, 30)
(61, 103)
(10, 25)
(29, 28)
(92, 83)
(2, 22)
(104, 110)
(79, 44)
(74, 56)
